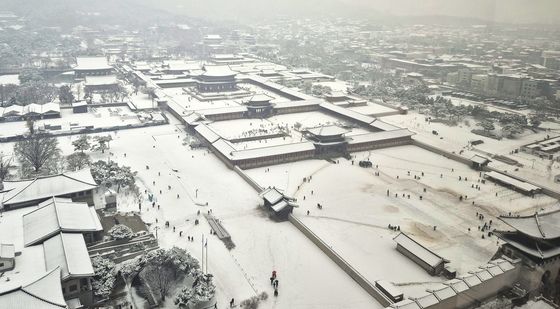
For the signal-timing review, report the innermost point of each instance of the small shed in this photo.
(79, 107)
(7, 257)
(479, 162)
(280, 204)
(428, 260)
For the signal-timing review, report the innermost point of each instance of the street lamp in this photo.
(196, 193)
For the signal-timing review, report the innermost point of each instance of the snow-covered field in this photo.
(243, 128)
(191, 103)
(261, 244)
(456, 139)
(258, 90)
(356, 208)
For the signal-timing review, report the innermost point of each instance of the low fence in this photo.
(369, 287)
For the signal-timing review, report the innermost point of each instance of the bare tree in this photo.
(160, 278)
(37, 153)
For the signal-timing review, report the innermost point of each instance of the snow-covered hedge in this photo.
(120, 231)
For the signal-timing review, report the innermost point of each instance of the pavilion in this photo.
(534, 238)
(216, 79)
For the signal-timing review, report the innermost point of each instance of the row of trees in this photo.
(39, 154)
(33, 88)
(163, 269)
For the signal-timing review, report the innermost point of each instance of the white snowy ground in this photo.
(258, 90)
(142, 101)
(337, 85)
(250, 127)
(191, 103)
(456, 138)
(9, 79)
(307, 278)
(356, 209)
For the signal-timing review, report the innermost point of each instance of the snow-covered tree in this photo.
(102, 143)
(185, 298)
(82, 143)
(103, 281)
(111, 174)
(511, 129)
(65, 94)
(77, 161)
(120, 231)
(38, 154)
(202, 290)
(487, 125)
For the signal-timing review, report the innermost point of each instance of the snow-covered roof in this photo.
(457, 285)
(92, 63)
(478, 159)
(527, 187)
(280, 206)
(442, 292)
(378, 136)
(101, 80)
(383, 126)
(260, 98)
(494, 270)
(539, 225)
(207, 133)
(70, 253)
(7, 251)
(389, 287)
(482, 274)
(23, 191)
(58, 215)
(471, 280)
(218, 71)
(31, 109)
(421, 252)
(79, 103)
(425, 299)
(531, 248)
(50, 108)
(330, 130)
(222, 110)
(406, 304)
(224, 147)
(13, 110)
(503, 264)
(347, 113)
(272, 151)
(272, 195)
(44, 292)
(292, 104)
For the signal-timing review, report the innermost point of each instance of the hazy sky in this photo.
(523, 11)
